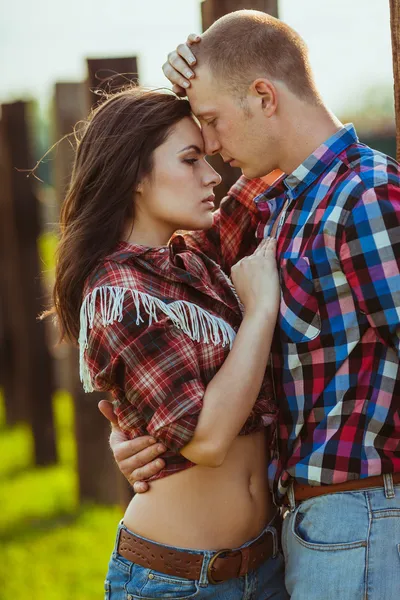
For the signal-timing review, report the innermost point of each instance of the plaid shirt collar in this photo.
(124, 251)
(181, 263)
(297, 182)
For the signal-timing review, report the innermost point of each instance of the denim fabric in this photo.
(344, 546)
(128, 581)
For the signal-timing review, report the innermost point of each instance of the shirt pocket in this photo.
(299, 317)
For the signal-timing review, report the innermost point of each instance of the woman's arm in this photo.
(231, 394)
(156, 373)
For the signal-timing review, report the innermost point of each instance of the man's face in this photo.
(237, 130)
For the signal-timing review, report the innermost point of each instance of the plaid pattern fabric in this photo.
(154, 332)
(337, 344)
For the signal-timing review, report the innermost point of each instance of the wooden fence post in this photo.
(395, 31)
(110, 74)
(33, 365)
(15, 407)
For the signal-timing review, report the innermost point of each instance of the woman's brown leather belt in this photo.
(224, 564)
(305, 492)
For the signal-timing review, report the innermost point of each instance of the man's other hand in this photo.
(137, 459)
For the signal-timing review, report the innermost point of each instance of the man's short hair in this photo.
(247, 44)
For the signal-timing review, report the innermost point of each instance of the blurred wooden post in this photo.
(110, 74)
(211, 10)
(33, 365)
(395, 30)
(11, 384)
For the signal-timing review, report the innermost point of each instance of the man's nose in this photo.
(211, 143)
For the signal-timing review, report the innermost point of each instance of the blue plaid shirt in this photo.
(337, 346)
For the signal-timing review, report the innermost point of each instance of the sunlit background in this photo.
(45, 41)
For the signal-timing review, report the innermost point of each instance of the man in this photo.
(336, 215)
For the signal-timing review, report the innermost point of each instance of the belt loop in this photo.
(203, 581)
(275, 538)
(291, 498)
(120, 526)
(389, 487)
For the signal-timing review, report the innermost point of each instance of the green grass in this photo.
(50, 548)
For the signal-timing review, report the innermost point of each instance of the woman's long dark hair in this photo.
(113, 155)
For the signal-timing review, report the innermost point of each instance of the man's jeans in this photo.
(344, 546)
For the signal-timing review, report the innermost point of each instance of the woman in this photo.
(161, 327)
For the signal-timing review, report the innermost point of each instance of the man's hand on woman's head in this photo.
(137, 459)
(177, 68)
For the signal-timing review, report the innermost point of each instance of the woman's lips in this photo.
(209, 201)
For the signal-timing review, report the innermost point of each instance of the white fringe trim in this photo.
(193, 320)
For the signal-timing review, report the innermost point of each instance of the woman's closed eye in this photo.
(191, 161)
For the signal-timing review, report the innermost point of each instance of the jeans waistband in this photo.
(273, 527)
(388, 486)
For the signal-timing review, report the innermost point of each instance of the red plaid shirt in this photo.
(156, 325)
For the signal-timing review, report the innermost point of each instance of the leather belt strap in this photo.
(305, 492)
(224, 564)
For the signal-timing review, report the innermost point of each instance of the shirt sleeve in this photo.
(233, 234)
(370, 258)
(152, 372)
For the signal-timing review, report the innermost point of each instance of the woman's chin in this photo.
(200, 224)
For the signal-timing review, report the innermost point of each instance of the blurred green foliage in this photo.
(50, 548)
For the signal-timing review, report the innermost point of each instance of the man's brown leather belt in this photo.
(305, 492)
(224, 565)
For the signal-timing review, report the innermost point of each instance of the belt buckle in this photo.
(211, 563)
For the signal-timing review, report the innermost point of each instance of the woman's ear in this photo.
(139, 188)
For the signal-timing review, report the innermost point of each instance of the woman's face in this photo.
(178, 194)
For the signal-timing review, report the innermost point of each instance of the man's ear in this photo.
(264, 90)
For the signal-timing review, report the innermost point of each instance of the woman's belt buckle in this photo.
(211, 564)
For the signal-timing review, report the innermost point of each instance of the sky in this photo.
(44, 41)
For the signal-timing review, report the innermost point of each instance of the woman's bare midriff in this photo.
(208, 508)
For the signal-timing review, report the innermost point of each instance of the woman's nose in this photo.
(212, 177)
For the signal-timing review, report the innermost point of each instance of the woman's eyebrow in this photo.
(192, 147)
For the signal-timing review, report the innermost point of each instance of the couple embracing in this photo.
(252, 352)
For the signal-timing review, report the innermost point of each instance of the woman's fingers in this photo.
(266, 247)
(270, 246)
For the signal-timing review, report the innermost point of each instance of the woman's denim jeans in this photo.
(344, 546)
(128, 581)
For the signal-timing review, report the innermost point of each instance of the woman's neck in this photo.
(147, 236)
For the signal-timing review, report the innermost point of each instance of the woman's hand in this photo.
(177, 68)
(256, 280)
